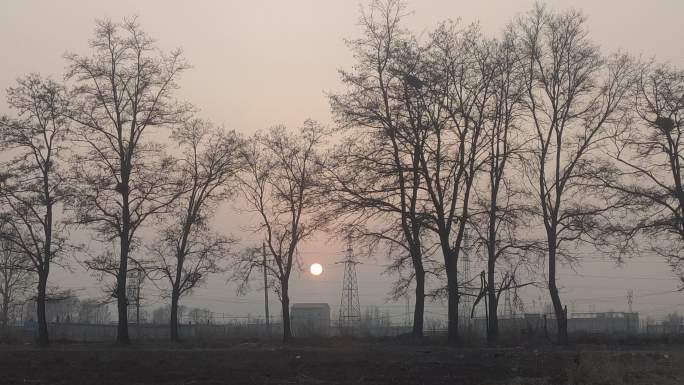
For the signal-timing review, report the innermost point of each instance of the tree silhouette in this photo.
(281, 171)
(32, 183)
(187, 250)
(121, 94)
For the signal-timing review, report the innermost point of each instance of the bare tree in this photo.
(649, 154)
(31, 184)
(499, 207)
(456, 88)
(16, 277)
(281, 170)
(375, 174)
(574, 95)
(187, 250)
(363, 189)
(122, 92)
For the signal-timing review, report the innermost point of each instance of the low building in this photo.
(310, 319)
(606, 322)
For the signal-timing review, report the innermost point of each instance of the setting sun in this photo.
(316, 269)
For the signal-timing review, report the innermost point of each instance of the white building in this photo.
(310, 319)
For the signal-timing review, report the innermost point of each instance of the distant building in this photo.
(310, 319)
(592, 323)
(606, 322)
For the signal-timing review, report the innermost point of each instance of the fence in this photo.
(528, 325)
(81, 332)
(545, 324)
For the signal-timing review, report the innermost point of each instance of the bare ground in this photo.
(336, 362)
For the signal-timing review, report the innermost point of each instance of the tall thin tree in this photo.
(574, 96)
(32, 183)
(281, 170)
(376, 175)
(187, 250)
(458, 82)
(16, 276)
(500, 209)
(121, 93)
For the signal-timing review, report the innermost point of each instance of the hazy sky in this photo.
(260, 63)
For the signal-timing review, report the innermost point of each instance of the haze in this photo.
(261, 63)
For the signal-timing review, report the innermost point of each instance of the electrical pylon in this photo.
(508, 305)
(134, 293)
(350, 310)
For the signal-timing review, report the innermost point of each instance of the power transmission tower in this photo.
(630, 299)
(508, 304)
(350, 310)
(134, 292)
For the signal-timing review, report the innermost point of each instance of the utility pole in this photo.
(268, 321)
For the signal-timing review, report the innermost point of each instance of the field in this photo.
(337, 362)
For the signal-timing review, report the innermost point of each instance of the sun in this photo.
(316, 269)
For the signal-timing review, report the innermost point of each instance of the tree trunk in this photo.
(285, 302)
(453, 338)
(44, 270)
(6, 298)
(419, 309)
(174, 316)
(137, 308)
(561, 317)
(122, 308)
(122, 337)
(43, 339)
(4, 310)
(493, 304)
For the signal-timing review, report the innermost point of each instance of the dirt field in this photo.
(337, 363)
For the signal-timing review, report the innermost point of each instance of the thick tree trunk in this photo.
(122, 337)
(285, 302)
(44, 270)
(493, 304)
(561, 316)
(174, 316)
(453, 337)
(122, 308)
(43, 339)
(4, 307)
(4, 314)
(419, 309)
